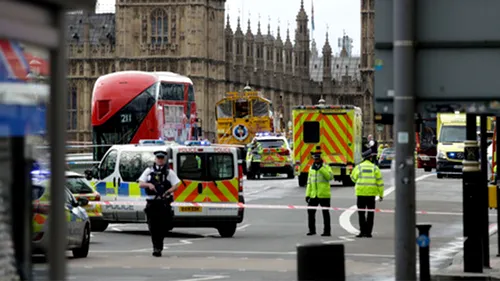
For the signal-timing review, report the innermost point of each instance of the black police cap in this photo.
(316, 155)
(160, 153)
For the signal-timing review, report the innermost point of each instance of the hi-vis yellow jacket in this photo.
(318, 182)
(368, 179)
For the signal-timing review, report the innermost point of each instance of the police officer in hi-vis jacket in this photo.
(368, 184)
(318, 193)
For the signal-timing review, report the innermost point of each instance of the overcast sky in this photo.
(334, 16)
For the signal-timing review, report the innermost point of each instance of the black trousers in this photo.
(366, 220)
(311, 214)
(159, 216)
(255, 168)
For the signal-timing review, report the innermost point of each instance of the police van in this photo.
(122, 165)
(209, 173)
(116, 180)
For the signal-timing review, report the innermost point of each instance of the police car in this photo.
(78, 222)
(208, 173)
(275, 156)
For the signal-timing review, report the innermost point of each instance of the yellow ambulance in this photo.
(335, 130)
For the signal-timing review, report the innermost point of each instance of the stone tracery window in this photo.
(159, 27)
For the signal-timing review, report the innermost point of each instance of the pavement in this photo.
(264, 245)
(456, 270)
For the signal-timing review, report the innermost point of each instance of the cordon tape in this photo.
(141, 201)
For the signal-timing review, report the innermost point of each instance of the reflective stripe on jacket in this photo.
(368, 179)
(318, 182)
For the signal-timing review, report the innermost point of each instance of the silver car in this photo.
(78, 230)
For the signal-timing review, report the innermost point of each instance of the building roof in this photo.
(340, 66)
(101, 27)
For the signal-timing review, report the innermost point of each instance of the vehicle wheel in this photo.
(83, 251)
(291, 174)
(227, 231)
(250, 176)
(99, 226)
(303, 179)
(427, 169)
(439, 176)
(346, 181)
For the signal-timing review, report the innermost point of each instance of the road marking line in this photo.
(205, 278)
(345, 217)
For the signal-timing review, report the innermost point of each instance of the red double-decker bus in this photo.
(128, 106)
(425, 143)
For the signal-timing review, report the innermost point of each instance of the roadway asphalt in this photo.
(264, 246)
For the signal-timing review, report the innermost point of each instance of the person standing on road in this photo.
(372, 145)
(368, 184)
(318, 193)
(161, 182)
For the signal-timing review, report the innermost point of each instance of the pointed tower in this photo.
(278, 47)
(229, 50)
(239, 58)
(259, 50)
(302, 43)
(327, 71)
(269, 49)
(288, 61)
(249, 60)
(367, 60)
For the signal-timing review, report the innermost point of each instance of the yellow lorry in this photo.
(450, 132)
(240, 115)
(335, 130)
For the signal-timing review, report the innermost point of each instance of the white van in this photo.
(219, 180)
(117, 176)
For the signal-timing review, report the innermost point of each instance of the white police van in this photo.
(122, 165)
(116, 179)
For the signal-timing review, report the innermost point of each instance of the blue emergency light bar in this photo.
(152, 142)
(40, 175)
(197, 143)
(267, 134)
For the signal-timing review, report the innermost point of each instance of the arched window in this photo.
(159, 27)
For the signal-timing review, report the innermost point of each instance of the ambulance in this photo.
(335, 131)
(451, 134)
(122, 165)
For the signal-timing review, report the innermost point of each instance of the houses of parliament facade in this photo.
(194, 38)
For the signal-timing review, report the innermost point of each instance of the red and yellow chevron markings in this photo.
(218, 191)
(336, 138)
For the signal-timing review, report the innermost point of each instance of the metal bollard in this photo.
(423, 242)
(321, 262)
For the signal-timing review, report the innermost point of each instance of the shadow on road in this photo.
(168, 235)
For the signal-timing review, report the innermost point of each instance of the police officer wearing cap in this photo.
(318, 193)
(160, 182)
(368, 184)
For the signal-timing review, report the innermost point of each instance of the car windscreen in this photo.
(78, 185)
(133, 163)
(37, 190)
(272, 143)
(388, 151)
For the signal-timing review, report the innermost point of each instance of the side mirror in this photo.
(82, 202)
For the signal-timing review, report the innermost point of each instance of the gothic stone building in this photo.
(190, 37)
